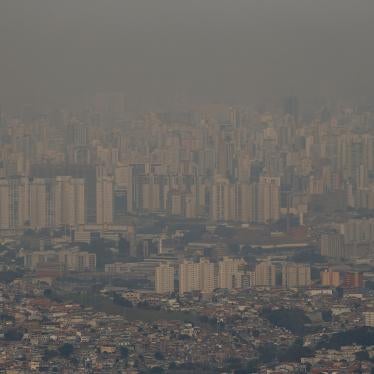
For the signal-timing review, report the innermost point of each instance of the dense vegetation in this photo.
(293, 320)
(361, 336)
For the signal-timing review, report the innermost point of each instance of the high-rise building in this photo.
(70, 260)
(66, 205)
(14, 202)
(353, 280)
(235, 117)
(358, 231)
(265, 274)
(189, 277)
(85, 172)
(197, 276)
(291, 107)
(207, 276)
(265, 201)
(104, 200)
(332, 245)
(229, 275)
(330, 278)
(296, 275)
(38, 203)
(220, 204)
(164, 279)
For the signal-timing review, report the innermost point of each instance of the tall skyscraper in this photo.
(38, 203)
(235, 117)
(291, 107)
(220, 203)
(207, 276)
(104, 200)
(14, 202)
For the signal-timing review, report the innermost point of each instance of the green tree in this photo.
(361, 336)
(6, 317)
(124, 351)
(327, 315)
(157, 370)
(252, 366)
(293, 320)
(13, 334)
(159, 356)
(267, 352)
(9, 276)
(294, 352)
(362, 356)
(66, 350)
(49, 353)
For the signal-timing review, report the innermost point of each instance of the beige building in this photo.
(39, 203)
(189, 277)
(296, 275)
(70, 260)
(266, 200)
(104, 200)
(77, 260)
(207, 276)
(14, 202)
(330, 278)
(265, 274)
(220, 201)
(332, 245)
(66, 202)
(229, 275)
(197, 276)
(164, 279)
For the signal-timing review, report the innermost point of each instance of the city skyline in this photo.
(186, 186)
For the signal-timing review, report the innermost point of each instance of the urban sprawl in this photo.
(217, 240)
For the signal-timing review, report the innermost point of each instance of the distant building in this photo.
(104, 200)
(332, 245)
(189, 277)
(164, 279)
(330, 278)
(265, 274)
(296, 275)
(291, 107)
(207, 276)
(353, 280)
(265, 200)
(358, 231)
(229, 275)
(197, 276)
(68, 260)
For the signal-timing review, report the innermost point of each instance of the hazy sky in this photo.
(161, 51)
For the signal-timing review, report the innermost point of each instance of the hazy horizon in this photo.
(169, 52)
